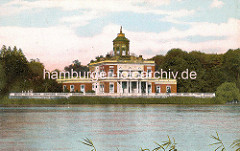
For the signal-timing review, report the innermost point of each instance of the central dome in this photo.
(121, 37)
(121, 45)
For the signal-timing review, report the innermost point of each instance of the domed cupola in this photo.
(121, 45)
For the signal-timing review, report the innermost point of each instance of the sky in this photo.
(60, 31)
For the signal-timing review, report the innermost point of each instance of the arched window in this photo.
(118, 50)
(123, 52)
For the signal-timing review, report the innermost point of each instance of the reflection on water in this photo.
(110, 127)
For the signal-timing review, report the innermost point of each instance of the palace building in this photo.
(123, 74)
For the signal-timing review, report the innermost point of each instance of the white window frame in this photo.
(64, 87)
(149, 72)
(71, 88)
(120, 73)
(158, 87)
(149, 89)
(139, 74)
(123, 52)
(102, 88)
(83, 88)
(111, 74)
(111, 91)
(170, 89)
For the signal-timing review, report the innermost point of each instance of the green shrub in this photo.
(107, 100)
(66, 90)
(90, 91)
(227, 91)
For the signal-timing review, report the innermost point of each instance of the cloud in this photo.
(88, 10)
(69, 5)
(81, 20)
(174, 38)
(217, 4)
(58, 46)
(104, 6)
(174, 16)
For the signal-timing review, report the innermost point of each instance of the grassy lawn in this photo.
(107, 100)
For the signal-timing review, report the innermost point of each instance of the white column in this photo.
(127, 86)
(146, 87)
(140, 85)
(117, 87)
(121, 89)
(130, 86)
(137, 87)
(98, 87)
(150, 89)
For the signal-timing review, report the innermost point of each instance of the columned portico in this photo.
(131, 87)
(134, 87)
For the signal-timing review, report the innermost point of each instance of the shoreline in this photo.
(73, 101)
(116, 105)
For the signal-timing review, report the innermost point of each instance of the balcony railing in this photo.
(150, 95)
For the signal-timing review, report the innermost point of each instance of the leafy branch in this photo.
(236, 143)
(88, 142)
(219, 142)
(170, 144)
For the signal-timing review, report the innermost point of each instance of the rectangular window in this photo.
(82, 88)
(123, 52)
(64, 87)
(149, 72)
(149, 88)
(120, 73)
(129, 74)
(158, 89)
(102, 88)
(139, 73)
(111, 73)
(111, 88)
(71, 88)
(168, 89)
(117, 49)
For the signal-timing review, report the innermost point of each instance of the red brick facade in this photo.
(88, 86)
(121, 58)
(163, 88)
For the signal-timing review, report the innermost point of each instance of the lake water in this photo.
(110, 127)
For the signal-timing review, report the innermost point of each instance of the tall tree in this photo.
(76, 66)
(227, 91)
(231, 65)
(2, 80)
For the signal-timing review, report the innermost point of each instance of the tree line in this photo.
(17, 74)
(212, 69)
